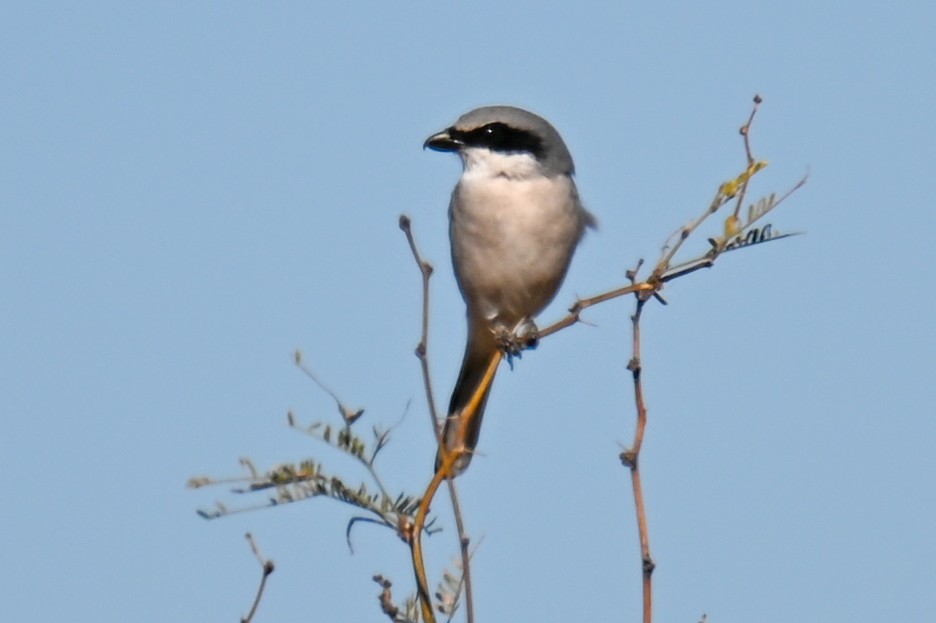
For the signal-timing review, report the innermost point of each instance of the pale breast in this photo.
(512, 241)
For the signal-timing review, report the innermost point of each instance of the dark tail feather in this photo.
(479, 355)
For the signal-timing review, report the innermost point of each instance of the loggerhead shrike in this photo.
(515, 219)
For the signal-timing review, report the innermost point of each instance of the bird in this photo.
(515, 221)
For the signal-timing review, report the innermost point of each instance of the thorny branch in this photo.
(737, 234)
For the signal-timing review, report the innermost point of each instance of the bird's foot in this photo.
(524, 336)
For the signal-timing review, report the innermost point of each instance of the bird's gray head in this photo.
(505, 141)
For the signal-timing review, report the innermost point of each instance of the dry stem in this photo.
(630, 458)
(662, 273)
(425, 269)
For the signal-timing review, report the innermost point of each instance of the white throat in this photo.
(481, 162)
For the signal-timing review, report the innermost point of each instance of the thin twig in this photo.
(464, 549)
(575, 312)
(745, 132)
(670, 252)
(422, 349)
(664, 270)
(630, 458)
(746, 129)
(461, 580)
(425, 269)
(268, 568)
(348, 415)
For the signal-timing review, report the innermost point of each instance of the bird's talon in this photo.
(514, 341)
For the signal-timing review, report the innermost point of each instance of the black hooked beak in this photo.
(446, 140)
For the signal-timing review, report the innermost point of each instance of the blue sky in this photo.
(191, 191)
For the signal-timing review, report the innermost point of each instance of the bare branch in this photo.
(581, 305)
(268, 568)
(422, 350)
(425, 269)
(350, 416)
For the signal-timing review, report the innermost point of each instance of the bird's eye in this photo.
(494, 135)
(498, 136)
